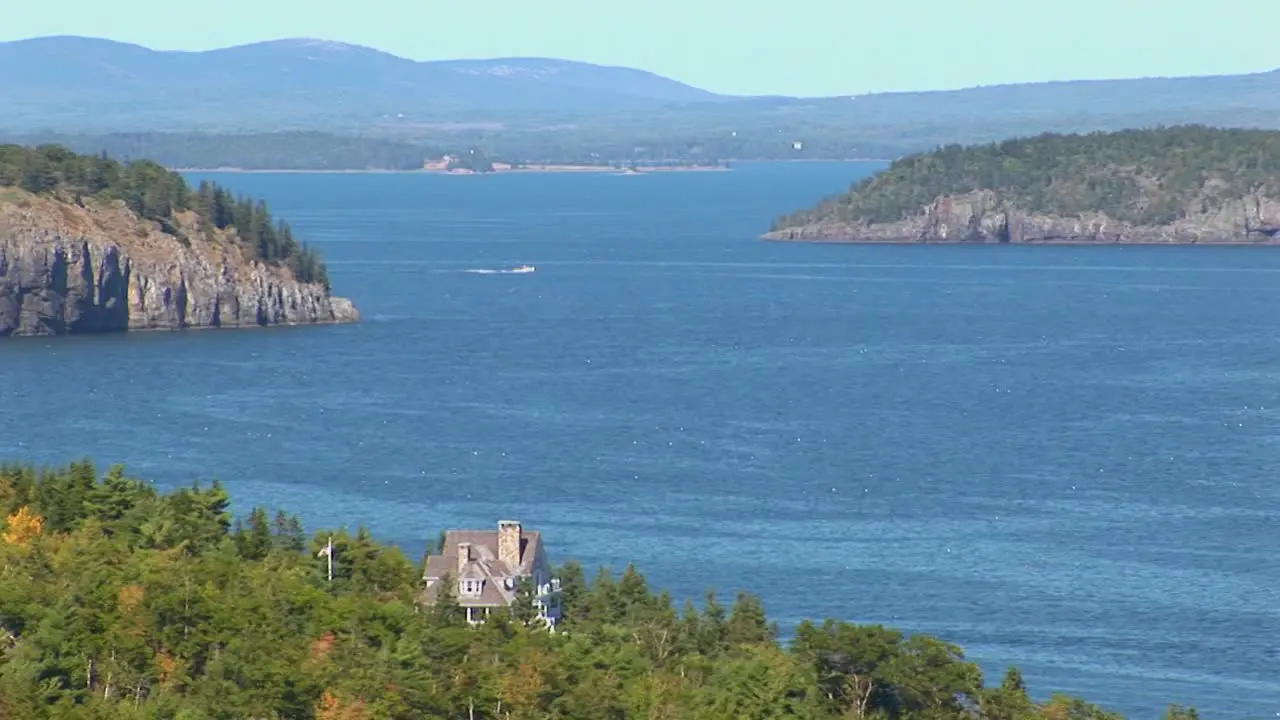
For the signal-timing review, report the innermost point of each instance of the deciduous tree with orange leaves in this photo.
(22, 527)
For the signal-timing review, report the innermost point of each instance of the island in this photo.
(1172, 185)
(89, 244)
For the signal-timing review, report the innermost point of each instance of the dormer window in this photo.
(472, 587)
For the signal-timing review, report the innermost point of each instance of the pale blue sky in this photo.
(795, 47)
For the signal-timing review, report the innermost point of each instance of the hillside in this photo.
(1187, 184)
(118, 601)
(88, 244)
(294, 150)
(74, 83)
(546, 110)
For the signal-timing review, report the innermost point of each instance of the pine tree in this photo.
(525, 610)
(573, 593)
(112, 499)
(632, 598)
(714, 637)
(748, 624)
(445, 611)
(39, 176)
(287, 533)
(254, 541)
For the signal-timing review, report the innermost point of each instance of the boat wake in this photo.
(522, 270)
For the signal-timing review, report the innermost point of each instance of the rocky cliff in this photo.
(985, 217)
(87, 267)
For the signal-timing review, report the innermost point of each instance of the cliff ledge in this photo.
(92, 265)
(985, 217)
(1175, 185)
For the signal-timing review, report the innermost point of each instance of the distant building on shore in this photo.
(486, 567)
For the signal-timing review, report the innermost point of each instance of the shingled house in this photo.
(486, 566)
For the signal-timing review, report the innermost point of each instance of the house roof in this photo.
(484, 566)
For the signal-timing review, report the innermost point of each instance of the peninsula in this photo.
(88, 244)
(1176, 185)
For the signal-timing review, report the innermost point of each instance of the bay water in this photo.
(1061, 458)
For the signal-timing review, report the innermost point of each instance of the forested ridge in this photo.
(291, 150)
(119, 601)
(1148, 177)
(154, 193)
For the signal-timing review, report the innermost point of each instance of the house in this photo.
(485, 568)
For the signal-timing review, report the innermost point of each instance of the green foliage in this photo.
(271, 243)
(129, 603)
(524, 610)
(156, 194)
(1139, 176)
(249, 151)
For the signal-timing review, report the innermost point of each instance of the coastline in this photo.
(502, 169)
(1270, 242)
(553, 169)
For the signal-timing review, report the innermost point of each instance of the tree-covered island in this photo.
(139, 249)
(1186, 184)
(119, 601)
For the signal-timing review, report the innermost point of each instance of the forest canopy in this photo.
(157, 194)
(1150, 177)
(290, 150)
(120, 601)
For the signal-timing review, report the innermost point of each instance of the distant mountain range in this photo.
(538, 107)
(75, 83)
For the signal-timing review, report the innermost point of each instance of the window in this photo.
(471, 587)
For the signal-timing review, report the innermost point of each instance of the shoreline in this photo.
(552, 168)
(528, 169)
(1275, 242)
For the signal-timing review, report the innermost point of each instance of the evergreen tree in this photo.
(147, 606)
(747, 622)
(525, 610)
(40, 176)
(573, 593)
(714, 631)
(254, 541)
(445, 611)
(287, 534)
(632, 598)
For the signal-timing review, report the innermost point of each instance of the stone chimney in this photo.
(509, 535)
(464, 556)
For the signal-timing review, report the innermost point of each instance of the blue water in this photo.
(1060, 458)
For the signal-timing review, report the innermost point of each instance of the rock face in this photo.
(69, 269)
(982, 217)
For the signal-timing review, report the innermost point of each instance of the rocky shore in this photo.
(983, 217)
(88, 267)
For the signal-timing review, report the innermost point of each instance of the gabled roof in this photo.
(500, 581)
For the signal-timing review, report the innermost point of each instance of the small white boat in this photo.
(523, 269)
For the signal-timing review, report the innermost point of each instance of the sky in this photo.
(749, 47)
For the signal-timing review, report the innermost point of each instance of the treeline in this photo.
(272, 243)
(663, 140)
(883, 126)
(155, 193)
(1152, 176)
(249, 151)
(118, 601)
(879, 128)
